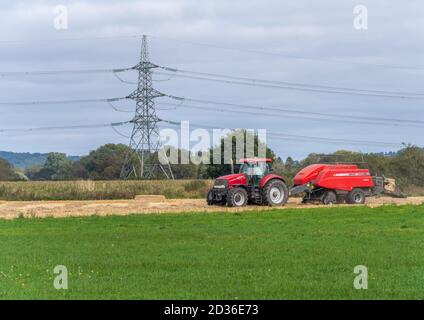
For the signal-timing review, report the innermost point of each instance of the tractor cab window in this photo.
(254, 169)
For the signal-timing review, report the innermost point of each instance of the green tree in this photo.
(407, 167)
(56, 167)
(290, 163)
(33, 171)
(6, 171)
(105, 163)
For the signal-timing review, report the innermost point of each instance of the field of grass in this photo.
(280, 254)
(101, 190)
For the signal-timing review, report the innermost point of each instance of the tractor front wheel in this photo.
(237, 197)
(209, 198)
(276, 193)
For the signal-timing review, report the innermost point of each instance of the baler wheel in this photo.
(329, 198)
(237, 197)
(356, 196)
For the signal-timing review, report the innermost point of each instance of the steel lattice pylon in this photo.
(142, 160)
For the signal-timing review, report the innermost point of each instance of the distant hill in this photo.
(25, 159)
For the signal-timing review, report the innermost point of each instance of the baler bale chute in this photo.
(339, 183)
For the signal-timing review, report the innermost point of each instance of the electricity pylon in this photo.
(143, 158)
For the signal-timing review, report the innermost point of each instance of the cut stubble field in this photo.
(275, 254)
(154, 204)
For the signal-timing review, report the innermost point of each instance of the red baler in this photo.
(338, 183)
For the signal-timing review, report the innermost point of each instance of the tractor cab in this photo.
(255, 183)
(255, 169)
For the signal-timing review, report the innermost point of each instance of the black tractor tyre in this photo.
(275, 193)
(356, 196)
(209, 198)
(329, 197)
(237, 197)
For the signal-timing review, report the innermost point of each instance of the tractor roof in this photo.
(255, 160)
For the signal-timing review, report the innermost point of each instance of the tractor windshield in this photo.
(254, 169)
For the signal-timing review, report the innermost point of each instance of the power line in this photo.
(292, 56)
(273, 110)
(145, 126)
(223, 47)
(122, 80)
(277, 134)
(287, 87)
(117, 109)
(71, 39)
(174, 106)
(165, 79)
(343, 119)
(174, 123)
(59, 72)
(277, 82)
(120, 133)
(54, 128)
(47, 102)
(306, 113)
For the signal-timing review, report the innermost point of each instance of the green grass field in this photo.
(281, 254)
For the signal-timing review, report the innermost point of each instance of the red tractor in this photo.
(338, 183)
(255, 183)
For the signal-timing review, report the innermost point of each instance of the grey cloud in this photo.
(321, 30)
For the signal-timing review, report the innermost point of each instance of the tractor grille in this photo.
(221, 184)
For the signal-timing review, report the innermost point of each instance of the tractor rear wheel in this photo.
(275, 193)
(237, 197)
(356, 196)
(329, 198)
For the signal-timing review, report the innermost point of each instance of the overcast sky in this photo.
(257, 39)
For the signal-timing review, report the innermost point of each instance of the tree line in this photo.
(105, 163)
